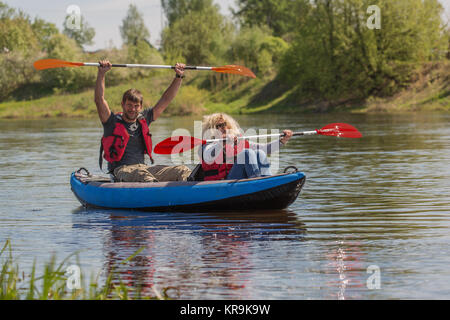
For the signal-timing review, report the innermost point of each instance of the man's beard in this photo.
(131, 117)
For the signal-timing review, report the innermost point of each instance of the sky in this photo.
(105, 16)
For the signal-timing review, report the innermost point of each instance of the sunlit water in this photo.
(380, 201)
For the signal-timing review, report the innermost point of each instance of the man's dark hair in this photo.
(133, 95)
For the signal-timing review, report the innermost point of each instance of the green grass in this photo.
(81, 105)
(52, 283)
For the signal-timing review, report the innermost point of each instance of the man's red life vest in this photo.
(219, 169)
(114, 145)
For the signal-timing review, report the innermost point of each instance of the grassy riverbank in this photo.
(52, 284)
(204, 93)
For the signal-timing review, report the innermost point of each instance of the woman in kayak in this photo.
(234, 158)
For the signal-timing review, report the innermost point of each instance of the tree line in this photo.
(323, 48)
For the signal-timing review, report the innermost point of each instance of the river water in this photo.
(372, 221)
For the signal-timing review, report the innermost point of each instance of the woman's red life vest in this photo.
(219, 169)
(113, 146)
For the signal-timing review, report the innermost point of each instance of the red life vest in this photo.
(114, 145)
(219, 169)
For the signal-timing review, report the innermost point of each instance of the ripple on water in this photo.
(382, 200)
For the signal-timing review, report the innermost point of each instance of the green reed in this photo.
(52, 283)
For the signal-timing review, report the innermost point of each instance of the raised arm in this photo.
(102, 106)
(170, 93)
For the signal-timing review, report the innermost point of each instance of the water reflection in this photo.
(187, 252)
(346, 269)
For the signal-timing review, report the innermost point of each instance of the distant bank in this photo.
(428, 91)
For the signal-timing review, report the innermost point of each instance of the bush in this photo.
(199, 37)
(18, 50)
(143, 53)
(335, 55)
(189, 100)
(257, 49)
(66, 79)
(16, 70)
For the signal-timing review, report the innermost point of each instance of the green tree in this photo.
(66, 79)
(257, 49)
(43, 31)
(334, 54)
(175, 9)
(82, 33)
(17, 35)
(6, 12)
(281, 16)
(18, 49)
(197, 37)
(133, 28)
(143, 52)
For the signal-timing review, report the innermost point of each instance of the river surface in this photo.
(372, 221)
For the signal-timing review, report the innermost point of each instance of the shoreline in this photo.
(379, 109)
(429, 92)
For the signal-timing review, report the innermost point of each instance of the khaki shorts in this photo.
(144, 173)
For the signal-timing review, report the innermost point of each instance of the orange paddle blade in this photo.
(54, 63)
(243, 71)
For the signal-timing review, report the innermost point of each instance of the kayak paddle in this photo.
(180, 144)
(56, 63)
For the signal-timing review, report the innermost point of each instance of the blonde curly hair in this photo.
(211, 121)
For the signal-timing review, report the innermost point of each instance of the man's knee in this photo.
(174, 173)
(134, 173)
(183, 172)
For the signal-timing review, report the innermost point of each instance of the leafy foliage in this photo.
(82, 35)
(133, 27)
(334, 54)
(69, 78)
(143, 52)
(197, 37)
(43, 31)
(175, 9)
(315, 49)
(18, 46)
(280, 16)
(257, 49)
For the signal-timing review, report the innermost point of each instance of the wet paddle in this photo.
(178, 144)
(56, 63)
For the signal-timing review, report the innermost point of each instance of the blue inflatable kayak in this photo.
(273, 192)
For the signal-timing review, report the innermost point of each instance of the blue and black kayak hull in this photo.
(273, 192)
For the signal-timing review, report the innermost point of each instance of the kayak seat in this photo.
(197, 174)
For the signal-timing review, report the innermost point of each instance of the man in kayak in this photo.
(234, 158)
(126, 137)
